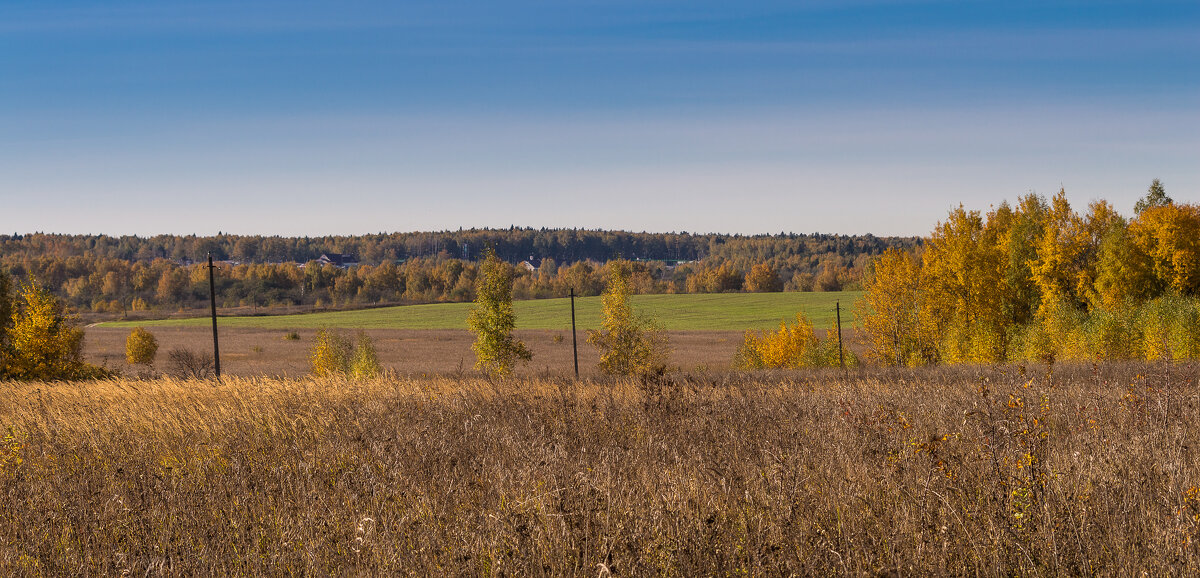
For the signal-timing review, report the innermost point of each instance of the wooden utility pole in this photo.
(574, 342)
(212, 299)
(841, 356)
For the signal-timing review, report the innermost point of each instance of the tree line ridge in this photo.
(128, 274)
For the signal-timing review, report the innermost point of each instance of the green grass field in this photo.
(726, 311)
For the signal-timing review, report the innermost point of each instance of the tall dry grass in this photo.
(969, 471)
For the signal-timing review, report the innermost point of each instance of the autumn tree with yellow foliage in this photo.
(961, 271)
(892, 313)
(1022, 232)
(6, 317)
(719, 279)
(763, 278)
(333, 355)
(1169, 237)
(1057, 270)
(1040, 281)
(629, 344)
(42, 342)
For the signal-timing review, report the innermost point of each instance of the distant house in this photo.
(531, 264)
(671, 264)
(338, 260)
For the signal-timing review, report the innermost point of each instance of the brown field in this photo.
(407, 352)
(961, 471)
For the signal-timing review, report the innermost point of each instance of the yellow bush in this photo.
(333, 355)
(791, 346)
(140, 347)
(364, 362)
(330, 354)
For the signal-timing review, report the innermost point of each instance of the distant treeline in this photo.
(116, 274)
(512, 245)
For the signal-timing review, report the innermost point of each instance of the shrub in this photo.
(364, 363)
(291, 336)
(791, 346)
(185, 364)
(747, 355)
(1113, 335)
(830, 353)
(1056, 334)
(140, 347)
(1169, 328)
(330, 354)
(333, 354)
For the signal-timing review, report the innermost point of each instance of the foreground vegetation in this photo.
(725, 311)
(965, 470)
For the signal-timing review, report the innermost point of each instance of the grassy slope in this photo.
(730, 311)
(967, 471)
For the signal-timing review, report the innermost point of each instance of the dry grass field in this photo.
(962, 471)
(410, 352)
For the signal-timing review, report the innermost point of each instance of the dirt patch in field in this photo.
(257, 352)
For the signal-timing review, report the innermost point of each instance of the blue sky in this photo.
(309, 118)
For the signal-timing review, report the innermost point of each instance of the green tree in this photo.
(1124, 274)
(629, 344)
(492, 320)
(140, 347)
(1156, 196)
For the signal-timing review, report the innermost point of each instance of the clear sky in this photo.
(306, 117)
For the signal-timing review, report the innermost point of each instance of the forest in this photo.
(166, 273)
(1042, 281)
